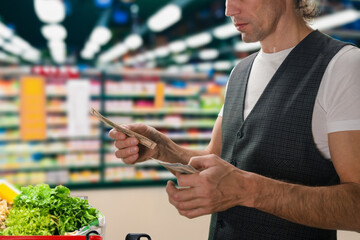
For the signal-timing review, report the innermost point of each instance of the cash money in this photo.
(142, 139)
(178, 167)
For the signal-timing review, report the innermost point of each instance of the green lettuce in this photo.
(40, 210)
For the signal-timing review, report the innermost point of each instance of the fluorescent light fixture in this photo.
(208, 54)
(133, 41)
(162, 51)
(206, 66)
(336, 20)
(92, 47)
(19, 42)
(31, 55)
(225, 31)
(117, 51)
(50, 11)
(5, 32)
(9, 59)
(100, 35)
(11, 48)
(58, 56)
(54, 32)
(223, 65)
(57, 50)
(180, 59)
(56, 45)
(177, 46)
(247, 47)
(164, 18)
(150, 55)
(87, 54)
(199, 40)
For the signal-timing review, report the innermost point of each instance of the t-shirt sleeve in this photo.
(342, 91)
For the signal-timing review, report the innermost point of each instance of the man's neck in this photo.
(287, 35)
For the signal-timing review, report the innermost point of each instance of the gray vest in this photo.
(276, 139)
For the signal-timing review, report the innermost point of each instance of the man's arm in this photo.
(166, 150)
(221, 186)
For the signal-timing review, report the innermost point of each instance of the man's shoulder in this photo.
(348, 56)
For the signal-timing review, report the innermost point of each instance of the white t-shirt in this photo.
(337, 106)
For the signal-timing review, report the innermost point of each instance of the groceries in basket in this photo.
(41, 210)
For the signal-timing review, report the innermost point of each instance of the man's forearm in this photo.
(330, 207)
(172, 152)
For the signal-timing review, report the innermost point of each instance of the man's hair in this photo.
(307, 9)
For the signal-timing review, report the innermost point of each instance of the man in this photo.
(289, 133)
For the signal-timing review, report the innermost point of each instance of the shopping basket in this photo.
(87, 237)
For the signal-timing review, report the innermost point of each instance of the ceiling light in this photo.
(247, 47)
(54, 32)
(180, 59)
(164, 18)
(92, 47)
(117, 51)
(208, 54)
(223, 65)
(87, 54)
(336, 20)
(225, 31)
(133, 41)
(177, 46)
(31, 55)
(199, 40)
(100, 35)
(21, 43)
(56, 45)
(11, 48)
(162, 51)
(50, 11)
(5, 32)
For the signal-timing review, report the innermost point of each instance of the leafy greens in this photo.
(40, 210)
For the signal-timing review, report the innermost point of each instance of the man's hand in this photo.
(129, 148)
(219, 186)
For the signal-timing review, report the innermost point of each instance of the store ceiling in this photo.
(83, 15)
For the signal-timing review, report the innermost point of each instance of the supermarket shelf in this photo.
(46, 169)
(156, 73)
(49, 139)
(45, 153)
(136, 112)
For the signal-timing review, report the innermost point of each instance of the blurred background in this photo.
(161, 62)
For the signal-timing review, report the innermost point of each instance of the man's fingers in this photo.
(129, 159)
(193, 213)
(127, 143)
(114, 134)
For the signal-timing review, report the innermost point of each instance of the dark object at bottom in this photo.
(137, 236)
